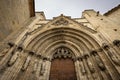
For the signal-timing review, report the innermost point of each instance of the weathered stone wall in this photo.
(103, 24)
(114, 15)
(13, 13)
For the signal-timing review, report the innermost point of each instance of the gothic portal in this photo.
(63, 48)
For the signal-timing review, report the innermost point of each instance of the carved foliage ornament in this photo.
(62, 53)
(61, 21)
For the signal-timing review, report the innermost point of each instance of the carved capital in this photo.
(116, 42)
(93, 52)
(11, 44)
(105, 46)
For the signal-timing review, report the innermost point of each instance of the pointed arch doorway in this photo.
(62, 66)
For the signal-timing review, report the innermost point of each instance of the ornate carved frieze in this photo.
(61, 21)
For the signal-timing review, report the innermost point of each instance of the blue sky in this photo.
(73, 8)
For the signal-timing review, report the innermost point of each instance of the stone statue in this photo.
(82, 68)
(35, 66)
(90, 65)
(114, 58)
(13, 58)
(4, 51)
(43, 66)
(26, 63)
(99, 62)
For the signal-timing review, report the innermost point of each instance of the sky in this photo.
(73, 8)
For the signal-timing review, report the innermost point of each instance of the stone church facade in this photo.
(64, 48)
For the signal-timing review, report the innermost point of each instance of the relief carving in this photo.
(62, 21)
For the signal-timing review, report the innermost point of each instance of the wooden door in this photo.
(62, 69)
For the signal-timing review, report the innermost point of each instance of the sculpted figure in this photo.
(14, 58)
(99, 62)
(35, 66)
(43, 65)
(82, 68)
(4, 51)
(91, 66)
(26, 63)
(114, 58)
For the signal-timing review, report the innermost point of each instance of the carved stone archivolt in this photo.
(70, 43)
